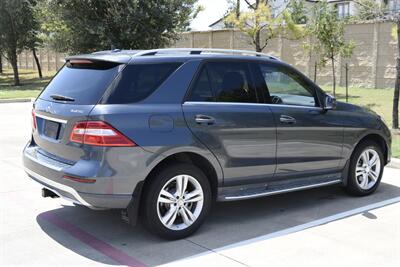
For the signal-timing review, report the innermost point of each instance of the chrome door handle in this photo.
(287, 119)
(204, 119)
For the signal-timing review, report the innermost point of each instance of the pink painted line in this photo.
(92, 241)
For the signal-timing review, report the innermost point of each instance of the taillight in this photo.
(98, 133)
(33, 120)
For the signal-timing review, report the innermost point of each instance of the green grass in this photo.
(30, 86)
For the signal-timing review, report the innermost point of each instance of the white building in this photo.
(276, 6)
(344, 8)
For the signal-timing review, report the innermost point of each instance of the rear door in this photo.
(68, 98)
(224, 113)
(309, 139)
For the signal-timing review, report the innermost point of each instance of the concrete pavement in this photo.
(320, 227)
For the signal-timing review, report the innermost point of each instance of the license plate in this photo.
(51, 129)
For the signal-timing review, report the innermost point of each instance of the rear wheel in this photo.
(176, 201)
(366, 169)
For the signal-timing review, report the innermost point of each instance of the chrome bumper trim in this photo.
(59, 186)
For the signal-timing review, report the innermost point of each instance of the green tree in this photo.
(382, 12)
(89, 25)
(53, 31)
(259, 19)
(367, 9)
(16, 26)
(328, 33)
(298, 11)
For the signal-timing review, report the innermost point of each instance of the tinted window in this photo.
(136, 82)
(230, 82)
(287, 87)
(202, 88)
(83, 83)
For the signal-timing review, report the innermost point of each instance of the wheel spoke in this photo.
(373, 160)
(181, 184)
(191, 216)
(184, 217)
(359, 171)
(365, 157)
(187, 216)
(170, 216)
(194, 196)
(373, 175)
(364, 182)
(166, 197)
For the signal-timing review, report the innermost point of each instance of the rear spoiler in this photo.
(119, 59)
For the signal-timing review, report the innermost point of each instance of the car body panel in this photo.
(243, 138)
(247, 147)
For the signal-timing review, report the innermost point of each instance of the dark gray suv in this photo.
(162, 134)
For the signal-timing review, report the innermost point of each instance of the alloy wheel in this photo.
(368, 169)
(180, 202)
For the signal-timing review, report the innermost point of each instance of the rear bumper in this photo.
(99, 195)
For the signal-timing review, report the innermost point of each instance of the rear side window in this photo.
(136, 82)
(202, 89)
(84, 84)
(228, 81)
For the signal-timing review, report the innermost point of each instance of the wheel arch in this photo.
(377, 138)
(197, 160)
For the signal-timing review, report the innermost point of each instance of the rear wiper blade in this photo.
(62, 98)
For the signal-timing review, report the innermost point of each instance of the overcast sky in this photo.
(213, 10)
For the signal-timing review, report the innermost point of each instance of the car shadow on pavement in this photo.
(228, 223)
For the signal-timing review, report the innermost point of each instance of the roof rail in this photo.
(197, 51)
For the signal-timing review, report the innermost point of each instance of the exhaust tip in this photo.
(48, 193)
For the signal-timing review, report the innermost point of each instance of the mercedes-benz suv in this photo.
(162, 134)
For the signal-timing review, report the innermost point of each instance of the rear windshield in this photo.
(81, 84)
(136, 82)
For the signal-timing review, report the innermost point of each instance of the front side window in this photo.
(287, 87)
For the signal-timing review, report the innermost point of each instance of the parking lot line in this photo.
(311, 224)
(92, 241)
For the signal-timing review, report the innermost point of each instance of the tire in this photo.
(172, 206)
(356, 184)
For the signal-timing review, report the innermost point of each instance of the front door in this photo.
(309, 138)
(224, 114)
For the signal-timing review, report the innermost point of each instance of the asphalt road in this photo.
(319, 227)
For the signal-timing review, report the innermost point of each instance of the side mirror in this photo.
(330, 102)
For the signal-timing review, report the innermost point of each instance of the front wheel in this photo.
(366, 169)
(176, 201)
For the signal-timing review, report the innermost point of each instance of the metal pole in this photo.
(347, 82)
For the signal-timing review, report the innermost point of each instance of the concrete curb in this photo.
(394, 163)
(16, 100)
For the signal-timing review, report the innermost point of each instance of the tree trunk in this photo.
(39, 68)
(1, 63)
(257, 42)
(237, 9)
(14, 64)
(333, 76)
(395, 112)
